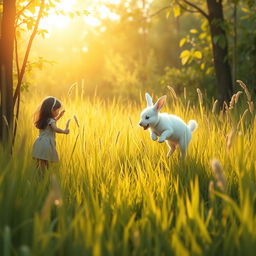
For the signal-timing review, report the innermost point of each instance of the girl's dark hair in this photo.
(42, 116)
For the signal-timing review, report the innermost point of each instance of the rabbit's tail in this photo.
(192, 125)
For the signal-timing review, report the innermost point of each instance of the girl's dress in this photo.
(44, 147)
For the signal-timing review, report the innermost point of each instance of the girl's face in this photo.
(55, 112)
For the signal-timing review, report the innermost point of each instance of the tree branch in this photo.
(186, 9)
(16, 96)
(197, 8)
(159, 11)
(23, 68)
(16, 55)
(23, 9)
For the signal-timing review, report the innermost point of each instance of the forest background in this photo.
(125, 47)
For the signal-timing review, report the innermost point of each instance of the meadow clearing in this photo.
(116, 193)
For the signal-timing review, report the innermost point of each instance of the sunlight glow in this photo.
(105, 13)
(65, 5)
(59, 17)
(92, 21)
(85, 49)
(112, 1)
(98, 12)
(57, 20)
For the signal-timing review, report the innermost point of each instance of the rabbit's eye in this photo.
(147, 117)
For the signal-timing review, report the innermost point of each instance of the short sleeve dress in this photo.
(44, 147)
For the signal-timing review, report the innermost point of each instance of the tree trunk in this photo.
(220, 50)
(235, 43)
(6, 69)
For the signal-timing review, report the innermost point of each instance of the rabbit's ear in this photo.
(149, 100)
(160, 103)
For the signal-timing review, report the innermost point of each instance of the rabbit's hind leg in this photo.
(172, 147)
(184, 146)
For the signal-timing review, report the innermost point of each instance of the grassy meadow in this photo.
(115, 192)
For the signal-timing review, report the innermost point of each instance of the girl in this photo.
(44, 148)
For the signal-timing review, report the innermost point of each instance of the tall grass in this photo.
(116, 193)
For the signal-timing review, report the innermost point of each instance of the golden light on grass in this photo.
(54, 197)
(115, 179)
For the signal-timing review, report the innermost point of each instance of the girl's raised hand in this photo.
(67, 127)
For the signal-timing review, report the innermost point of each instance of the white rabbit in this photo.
(169, 128)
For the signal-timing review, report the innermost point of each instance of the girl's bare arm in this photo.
(58, 130)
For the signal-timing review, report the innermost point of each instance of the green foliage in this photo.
(220, 40)
(130, 55)
(129, 77)
(197, 49)
(188, 56)
(246, 49)
(189, 78)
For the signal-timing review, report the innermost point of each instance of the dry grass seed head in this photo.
(130, 121)
(219, 174)
(229, 138)
(238, 95)
(232, 101)
(200, 96)
(173, 93)
(248, 95)
(242, 118)
(71, 88)
(211, 190)
(251, 107)
(226, 106)
(76, 120)
(117, 136)
(214, 106)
